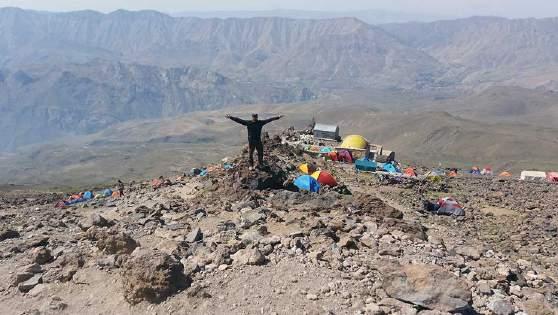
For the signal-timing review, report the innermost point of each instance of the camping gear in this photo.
(450, 206)
(452, 173)
(328, 132)
(390, 168)
(344, 156)
(332, 156)
(475, 170)
(88, 195)
(487, 170)
(325, 178)
(533, 175)
(307, 182)
(552, 177)
(326, 150)
(107, 192)
(366, 165)
(354, 142)
(409, 171)
(307, 168)
(228, 166)
(445, 206)
(505, 174)
(116, 194)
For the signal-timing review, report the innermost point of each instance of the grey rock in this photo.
(7, 233)
(427, 286)
(501, 307)
(100, 221)
(41, 255)
(194, 236)
(249, 257)
(31, 283)
(469, 252)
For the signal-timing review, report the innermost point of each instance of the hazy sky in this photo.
(510, 8)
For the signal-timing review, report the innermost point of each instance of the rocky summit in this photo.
(242, 241)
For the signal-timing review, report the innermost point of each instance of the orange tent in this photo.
(505, 174)
(452, 174)
(325, 178)
(409, 171)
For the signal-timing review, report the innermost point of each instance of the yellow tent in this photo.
(307, 168)
(354, 142)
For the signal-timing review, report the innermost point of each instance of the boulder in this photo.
(112, 241)
(7, 233)
(41, 255)
(30, 283)
(427, 286)
(412, 229)
(500, 307)
(152, 276)
(249, 257)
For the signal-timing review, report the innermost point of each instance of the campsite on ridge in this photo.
(366, 161)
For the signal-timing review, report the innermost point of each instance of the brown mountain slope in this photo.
(489, 49)
(271, 48)
(506, 104)
(151, 148)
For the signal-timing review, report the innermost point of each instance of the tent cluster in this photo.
(87, 196)
(313, 179)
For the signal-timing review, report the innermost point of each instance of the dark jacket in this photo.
(254, 127)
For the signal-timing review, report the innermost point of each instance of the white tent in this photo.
(533, 175)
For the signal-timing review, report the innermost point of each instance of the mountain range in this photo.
(81, 73)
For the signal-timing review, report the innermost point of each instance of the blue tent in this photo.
(365, 165)
(390, 168)
(307, 182)
(107, 192)
(325, 150)
(88, 195)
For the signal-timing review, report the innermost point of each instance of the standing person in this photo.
(120, 187)
(254, 135)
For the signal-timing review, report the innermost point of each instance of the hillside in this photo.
(486, 50)
(136, 150)
(505, 104)
(47, 102)
(268, 48)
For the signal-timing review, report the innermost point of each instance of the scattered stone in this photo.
(100, 221)
(311, 297)
(249, 257)
(195, 235)
(501, 307)
(7, 233)
(469, 252)
(41, 255)
(112, 241)
(30, 283)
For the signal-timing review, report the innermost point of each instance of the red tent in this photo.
(552, 177)
(345, 156)
(325, 178)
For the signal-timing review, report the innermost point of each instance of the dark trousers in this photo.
(256, 146)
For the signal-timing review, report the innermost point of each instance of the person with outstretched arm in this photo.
(254, 127)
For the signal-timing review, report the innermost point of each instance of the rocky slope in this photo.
(242, 241)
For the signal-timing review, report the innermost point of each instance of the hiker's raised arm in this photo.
(237, 120)
(272, 119)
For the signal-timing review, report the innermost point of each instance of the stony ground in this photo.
(243, 242)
